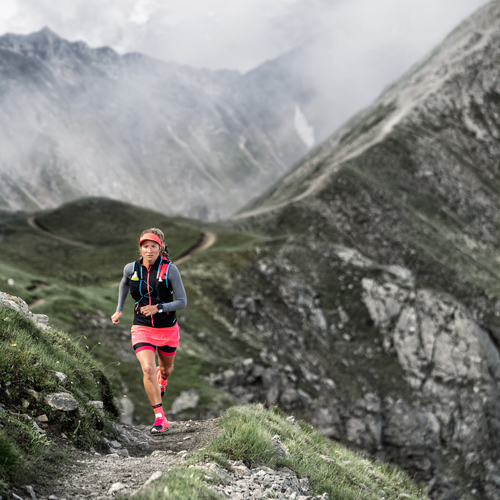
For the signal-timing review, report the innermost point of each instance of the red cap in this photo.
(150, 236)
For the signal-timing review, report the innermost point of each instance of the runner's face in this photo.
(150, 250)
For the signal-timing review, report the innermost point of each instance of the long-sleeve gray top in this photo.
(174, 277)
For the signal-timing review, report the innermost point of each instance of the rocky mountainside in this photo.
(76, 121)
(375, 313)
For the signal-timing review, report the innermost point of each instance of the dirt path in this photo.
(36, 225)
(127, 469)
(207, 240)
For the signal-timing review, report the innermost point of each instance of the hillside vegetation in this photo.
(36, 363)
(77, 286)
(39, 437)
(283, 310)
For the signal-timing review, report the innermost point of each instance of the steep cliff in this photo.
(381, 303)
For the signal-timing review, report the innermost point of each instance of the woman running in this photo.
(156, 286)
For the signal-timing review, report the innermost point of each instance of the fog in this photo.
(243, 34)
(350, 51)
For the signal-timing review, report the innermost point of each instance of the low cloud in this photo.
(243, 34)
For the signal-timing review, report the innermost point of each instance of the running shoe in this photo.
(160, 425)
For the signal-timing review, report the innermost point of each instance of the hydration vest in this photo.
(150, 287)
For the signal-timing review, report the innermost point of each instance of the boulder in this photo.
(61, 401)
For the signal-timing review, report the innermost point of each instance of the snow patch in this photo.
(305, 131)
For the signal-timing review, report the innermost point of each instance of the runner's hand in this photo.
(149, 310)
(116, 318)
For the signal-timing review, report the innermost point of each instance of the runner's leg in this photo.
(147, 360)
(166, 365)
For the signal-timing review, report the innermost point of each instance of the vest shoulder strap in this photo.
(164, 268)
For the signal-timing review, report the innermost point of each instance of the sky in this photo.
(241, 34)
(361, 46)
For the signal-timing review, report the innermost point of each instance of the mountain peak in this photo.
(47, 45)
(44, 43)
(47, 33)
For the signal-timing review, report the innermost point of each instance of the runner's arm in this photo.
(180, 301)
(124, 286)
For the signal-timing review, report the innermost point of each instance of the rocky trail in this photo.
(137, 459)
(134, 460)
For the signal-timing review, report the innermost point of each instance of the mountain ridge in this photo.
(396, 103)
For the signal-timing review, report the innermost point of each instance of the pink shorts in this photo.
(156, 336)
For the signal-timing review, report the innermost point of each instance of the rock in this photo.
(228, 376)
(122, 452)
(356, 428)
(281, 448)
(61, 401)
(42, 418)
(61, 378)
(35, 394)
(41, 320)
(116, 487)
(97, 404)
(19, 305)
(37, 428)
(290, 398)
(262, 482)
(154, 477)
(31, 492)
(186, 400)
(240, 468)
(127, 407)
(248, 364)
(122, 437)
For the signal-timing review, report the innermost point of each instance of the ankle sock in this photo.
(159, 414)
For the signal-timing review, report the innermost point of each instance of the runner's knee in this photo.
(149, 370)
(166, 371)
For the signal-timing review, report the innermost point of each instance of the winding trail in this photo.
(206, 240)
(36, 225)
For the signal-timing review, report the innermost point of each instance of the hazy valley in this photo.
(76, 121)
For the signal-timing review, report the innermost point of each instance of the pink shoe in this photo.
(160, 425)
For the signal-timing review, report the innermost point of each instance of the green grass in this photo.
(330, 467)
(77, 284)
(29, 359)
(247, 433)
(181, 484)
(26, 457)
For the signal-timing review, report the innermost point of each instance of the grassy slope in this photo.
(300, 235)
(77, 283)
(29, 358)
(210, 337)
(89, 290)
(247, 436)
